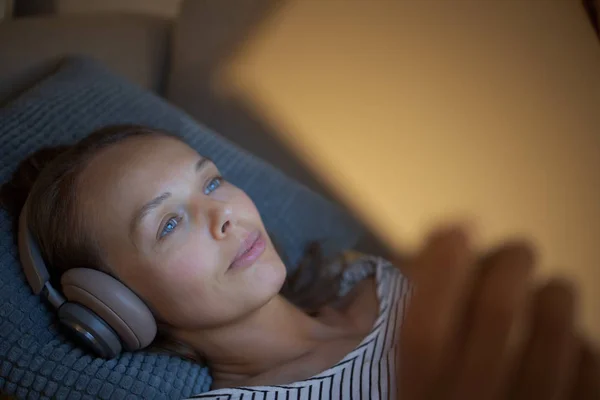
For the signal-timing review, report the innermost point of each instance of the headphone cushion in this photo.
(114, 302)
(90, 329)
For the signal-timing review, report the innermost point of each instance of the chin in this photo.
(270, 276)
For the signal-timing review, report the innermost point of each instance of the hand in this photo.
(479, 329)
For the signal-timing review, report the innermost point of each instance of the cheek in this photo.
(195, 260)
(183, 287)
(246, 209)
(192, 293)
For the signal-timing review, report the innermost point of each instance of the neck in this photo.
(274, 335)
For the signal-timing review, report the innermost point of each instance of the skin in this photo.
(458, 338)
(236, 319)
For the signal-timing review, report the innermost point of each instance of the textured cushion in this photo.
(36, 361)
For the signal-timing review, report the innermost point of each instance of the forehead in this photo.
(137, 157)
(140, 151)
(127, 174)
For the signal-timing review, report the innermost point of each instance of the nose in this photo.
(221, 219)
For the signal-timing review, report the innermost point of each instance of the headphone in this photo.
(102, 312)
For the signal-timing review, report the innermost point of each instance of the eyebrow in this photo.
(145, 210)
(203, 163)
(158, 200)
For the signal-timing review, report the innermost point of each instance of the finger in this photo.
(439, 279)
(499, 298)
(586, 385)
(548, 361)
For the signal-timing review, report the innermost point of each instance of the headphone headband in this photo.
(31, 258)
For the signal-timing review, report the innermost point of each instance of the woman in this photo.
(145, 208)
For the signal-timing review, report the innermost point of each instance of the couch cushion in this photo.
(134, 45)
(80, 97)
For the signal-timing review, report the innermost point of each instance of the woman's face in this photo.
(192, 245)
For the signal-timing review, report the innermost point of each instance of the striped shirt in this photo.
(368, 372)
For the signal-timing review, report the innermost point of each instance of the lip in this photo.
(250, 250)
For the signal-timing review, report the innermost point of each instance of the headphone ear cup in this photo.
(90, 329)
(115, 303)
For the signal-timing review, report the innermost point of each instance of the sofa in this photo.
(174, 59)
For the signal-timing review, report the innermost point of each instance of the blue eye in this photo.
(169, 227)
(213, 184)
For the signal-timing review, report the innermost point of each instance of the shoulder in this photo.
(386, 279)
(377, 265)
(390, 283)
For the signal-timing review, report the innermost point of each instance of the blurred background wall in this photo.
(167, 8)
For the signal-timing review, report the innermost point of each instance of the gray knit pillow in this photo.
(36, 361)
